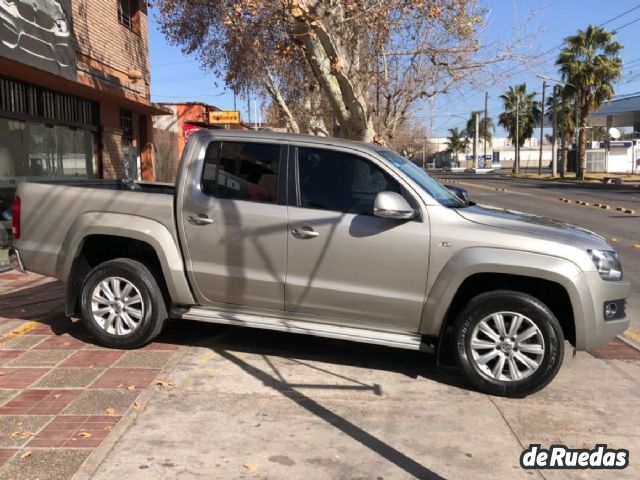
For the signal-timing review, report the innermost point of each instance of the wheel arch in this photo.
(95, 238)
(554, 281)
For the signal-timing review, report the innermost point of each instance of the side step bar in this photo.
(361, 335)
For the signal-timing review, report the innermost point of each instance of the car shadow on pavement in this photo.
(299, 348)
(277, 383)
(32, 303)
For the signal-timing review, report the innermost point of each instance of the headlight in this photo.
(61, 25)
(607, 263)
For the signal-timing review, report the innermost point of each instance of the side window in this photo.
(242, 171)
(340, 182)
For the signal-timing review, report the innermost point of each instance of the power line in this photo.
(618, 16)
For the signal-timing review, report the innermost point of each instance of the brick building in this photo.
(172, 131)
(74, 91)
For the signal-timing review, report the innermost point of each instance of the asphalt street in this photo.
(542, 197)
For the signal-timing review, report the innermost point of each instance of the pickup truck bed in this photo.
(57, 211)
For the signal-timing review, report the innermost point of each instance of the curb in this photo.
(88, 469)
(623, 338)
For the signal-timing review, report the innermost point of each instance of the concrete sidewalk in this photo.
(254, 404)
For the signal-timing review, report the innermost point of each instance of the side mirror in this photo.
(393, 206)
(459, 192)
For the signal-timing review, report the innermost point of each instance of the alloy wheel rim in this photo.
(117, 306)
(507, 346)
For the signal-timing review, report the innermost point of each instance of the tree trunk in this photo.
(565, 152)
(582, 138)
(329, 64)
(313, 106)
(273, 89)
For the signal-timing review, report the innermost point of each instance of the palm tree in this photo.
(590, 62)
(456, 142)
(563, 100)
(520, 104)
(485, 126)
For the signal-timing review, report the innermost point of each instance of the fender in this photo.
(470, 261)
(129, 226)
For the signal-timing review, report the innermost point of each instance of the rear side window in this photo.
(340, 182)
(242, 171)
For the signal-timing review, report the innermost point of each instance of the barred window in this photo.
(126, 125)
(129, 14)
(124, 13)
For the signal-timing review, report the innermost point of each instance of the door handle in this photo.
(305, 232)
(200, 219)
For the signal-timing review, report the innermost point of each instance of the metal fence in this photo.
(596, 161)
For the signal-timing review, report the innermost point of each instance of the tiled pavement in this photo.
(60, 394)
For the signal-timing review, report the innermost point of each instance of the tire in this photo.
(122, 321)
(494, 359)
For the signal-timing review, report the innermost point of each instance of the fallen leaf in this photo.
(110, 411)
(164, 383)
(2, 374)
(251, 467)
(22, 434)
(57, 395)
(26, 454)
(137, 406)
(108, 428)
(131, 387)
(85, 434)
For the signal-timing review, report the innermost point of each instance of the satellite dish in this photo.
(614, 133)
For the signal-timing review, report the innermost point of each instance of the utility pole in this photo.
(544, 87)
(485, 126)
(554, 124)
(516, 161)
(475, 141)
(249, 106)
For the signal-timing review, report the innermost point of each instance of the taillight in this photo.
(15, 218)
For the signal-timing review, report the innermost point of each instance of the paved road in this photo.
(542, 198)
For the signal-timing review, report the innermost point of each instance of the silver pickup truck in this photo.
(330, 238)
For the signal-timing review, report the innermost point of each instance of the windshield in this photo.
(434, 188)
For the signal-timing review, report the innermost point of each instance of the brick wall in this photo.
(103, 39)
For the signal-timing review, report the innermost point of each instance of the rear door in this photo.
(233, 224)
(345, 264)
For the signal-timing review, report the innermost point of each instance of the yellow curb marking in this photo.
(633, 335)
(21, 330)
(636, 245)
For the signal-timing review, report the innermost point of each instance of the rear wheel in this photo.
(508, 343)
(122, 304)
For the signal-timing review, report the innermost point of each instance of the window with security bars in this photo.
(128, 14)
(124, 13)
(21, 99)
(126, 125)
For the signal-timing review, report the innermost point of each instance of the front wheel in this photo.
(508, 343)
(122, 305)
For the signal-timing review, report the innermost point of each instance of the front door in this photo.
(234, 225)
(344, 264)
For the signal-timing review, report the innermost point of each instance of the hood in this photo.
(534, 225)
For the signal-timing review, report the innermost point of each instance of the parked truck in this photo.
(331, 238)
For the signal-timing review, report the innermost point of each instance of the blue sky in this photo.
(175, 77)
